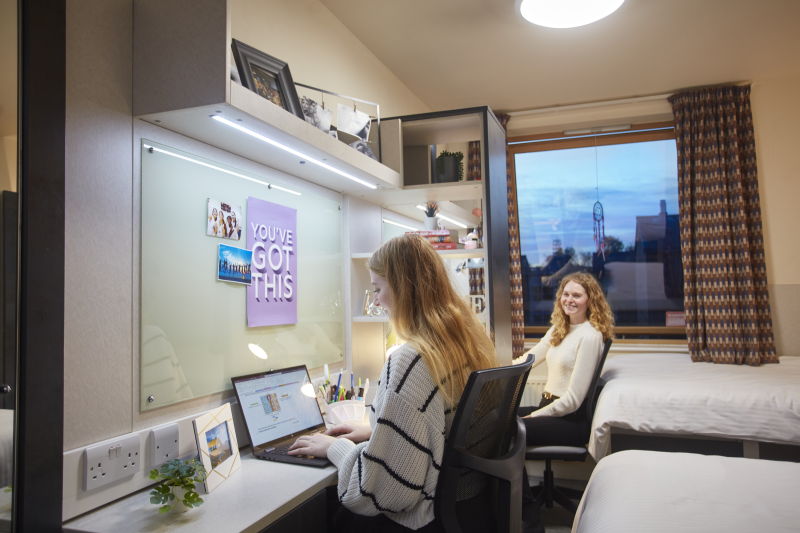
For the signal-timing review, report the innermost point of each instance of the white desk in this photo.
(256, 496)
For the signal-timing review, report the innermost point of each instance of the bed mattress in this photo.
(636, 491)
(669, 394)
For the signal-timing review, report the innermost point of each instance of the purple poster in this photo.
(272, 237)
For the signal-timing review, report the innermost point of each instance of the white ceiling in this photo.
(463, 53)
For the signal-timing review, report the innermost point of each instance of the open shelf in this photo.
(370, 319)
(444, 254)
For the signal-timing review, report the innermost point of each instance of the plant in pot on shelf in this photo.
(430, 216)
(450, 167)
(178, 486)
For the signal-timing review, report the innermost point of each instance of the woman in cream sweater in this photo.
(388, 470)
(582, 321)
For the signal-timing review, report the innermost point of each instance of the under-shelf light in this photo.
(459, 224)
(399, 224)
(290, 150)
(270, 185)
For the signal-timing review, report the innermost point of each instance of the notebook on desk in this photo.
(276, 413)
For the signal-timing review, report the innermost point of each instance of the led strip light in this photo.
(459, 224)
(270, 185)
(399, 224)
(290, 150)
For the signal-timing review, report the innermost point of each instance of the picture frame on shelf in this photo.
(266, 76)
(217, 445)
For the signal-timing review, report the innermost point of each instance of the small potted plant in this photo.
(450, 167)
(179, 478)
(430, 216)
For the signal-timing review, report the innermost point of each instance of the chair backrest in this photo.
(479, 480)
(591, 396)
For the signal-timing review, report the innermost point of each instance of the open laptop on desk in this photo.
(276, 413)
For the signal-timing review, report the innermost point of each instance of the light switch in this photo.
(118, 450)
(112, 453)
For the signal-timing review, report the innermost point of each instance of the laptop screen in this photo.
(273, 405)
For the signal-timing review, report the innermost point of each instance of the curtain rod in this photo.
(592, 104)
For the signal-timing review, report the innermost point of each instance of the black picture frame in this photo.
(277, 83)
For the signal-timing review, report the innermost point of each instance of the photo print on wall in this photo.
(234, 264)
(352, 121)
(224, 220)
(316, 115)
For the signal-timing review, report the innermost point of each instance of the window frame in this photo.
(544, 142)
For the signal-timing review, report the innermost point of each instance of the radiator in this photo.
(534, 388)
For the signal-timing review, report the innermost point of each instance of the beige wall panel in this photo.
(180, 55)
(8, 68)
(784, 302)
(776, 114)
(97, 295)
(8, 164)
(321, 52)
(391, 144)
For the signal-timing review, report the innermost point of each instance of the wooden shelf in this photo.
(445, 254)
(371, 319)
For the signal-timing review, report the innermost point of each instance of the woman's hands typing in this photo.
(354, 432)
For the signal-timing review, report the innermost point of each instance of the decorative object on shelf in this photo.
(367, 303)
(363, 147)
(440, 239)
(216, 443)
(449, 167)
(352, 121)
(266, 76)
(471, 241)
(431, 210)
(234, 264)
(316, 114)
(179, 479)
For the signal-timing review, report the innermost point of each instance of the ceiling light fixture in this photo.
(290, 150)
(399, 224)
(565, 13)
(459, 224)
(270, 185)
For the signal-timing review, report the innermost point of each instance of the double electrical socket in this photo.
(105, 463)
(164, 444)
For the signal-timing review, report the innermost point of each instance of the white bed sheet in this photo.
(636, 491)
(669, 394)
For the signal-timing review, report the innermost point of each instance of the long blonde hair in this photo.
(598, 312)
(429, 315)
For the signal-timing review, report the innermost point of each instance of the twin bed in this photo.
(667, 397)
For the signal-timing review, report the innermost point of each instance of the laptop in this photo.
(276, 413)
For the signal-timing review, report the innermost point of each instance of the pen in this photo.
(339, 386)
(352, 392)
(366, 389)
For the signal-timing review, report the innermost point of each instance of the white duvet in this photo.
(669, 394)
(637, 491)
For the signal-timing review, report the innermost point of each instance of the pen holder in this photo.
(346, 411)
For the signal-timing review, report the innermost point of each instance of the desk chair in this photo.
(547, 490)
(481, 474)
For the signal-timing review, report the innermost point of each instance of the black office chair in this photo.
(547, 490)
(481, 474)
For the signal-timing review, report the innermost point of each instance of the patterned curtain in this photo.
(476, 279)
(725, 278)
(517, 316)
(474, 161)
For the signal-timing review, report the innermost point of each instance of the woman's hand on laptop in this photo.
(315, 445)
(354, 432)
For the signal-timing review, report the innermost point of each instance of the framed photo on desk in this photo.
(217, 446)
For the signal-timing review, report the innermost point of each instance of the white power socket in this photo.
(116, 459)
(164, 445)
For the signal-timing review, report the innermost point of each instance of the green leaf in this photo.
(165, 509)
(157, 500)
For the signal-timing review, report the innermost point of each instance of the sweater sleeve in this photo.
(539, 351)
(585, 364)
(385, 474)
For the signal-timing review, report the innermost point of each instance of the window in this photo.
(634, 177)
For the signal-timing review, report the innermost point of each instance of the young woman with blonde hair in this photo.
(388, 470)
(582, 321)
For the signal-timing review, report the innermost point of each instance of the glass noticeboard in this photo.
(194, 328)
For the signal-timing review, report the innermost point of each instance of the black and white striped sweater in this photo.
(396, 470)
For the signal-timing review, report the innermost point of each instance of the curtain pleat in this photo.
(725, 278)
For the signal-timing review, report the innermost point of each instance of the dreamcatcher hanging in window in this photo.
(597, 212)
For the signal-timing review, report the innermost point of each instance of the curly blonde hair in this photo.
(598, 312)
